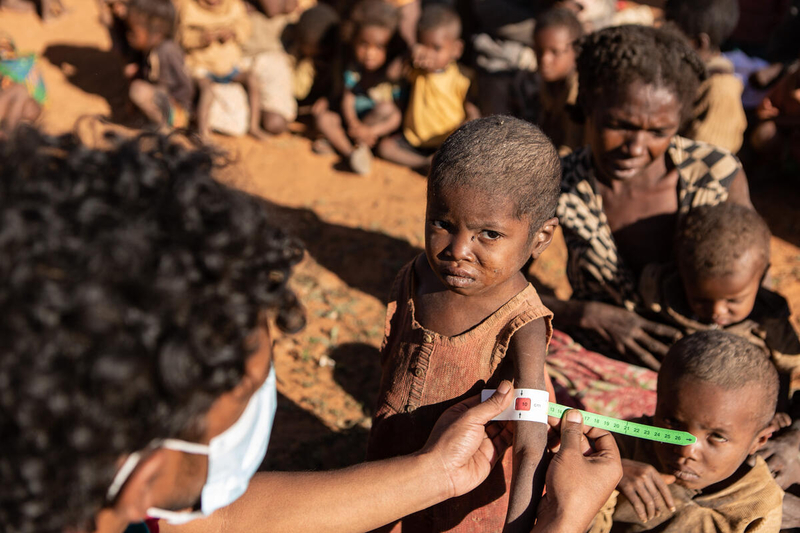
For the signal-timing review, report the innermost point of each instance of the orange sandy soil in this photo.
(358, 230)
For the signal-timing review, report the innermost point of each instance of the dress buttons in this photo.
(428, 338)
(419, 372)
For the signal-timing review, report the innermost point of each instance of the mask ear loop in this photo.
(133, 460)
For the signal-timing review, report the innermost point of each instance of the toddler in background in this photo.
(463, 317)
(719, 117)
(212, 33)
(22, 90)
(368, 98)
(312, 48)
(554, 38)
(164, 92)
(721, 389)
(438, 102)
(722, 256)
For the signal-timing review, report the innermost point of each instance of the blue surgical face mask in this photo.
(233, 457)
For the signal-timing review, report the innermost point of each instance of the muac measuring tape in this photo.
(532, 405)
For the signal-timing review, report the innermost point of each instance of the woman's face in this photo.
(629, 130)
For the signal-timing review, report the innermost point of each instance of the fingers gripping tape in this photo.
(529, 405)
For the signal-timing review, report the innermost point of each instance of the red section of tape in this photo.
(523, 404)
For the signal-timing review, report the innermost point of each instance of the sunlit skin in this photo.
(629, 131)
(369, 47)
(437, 48)
(728, 424)
(555, 53)
(729, 299)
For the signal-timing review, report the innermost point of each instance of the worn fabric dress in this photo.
(424, 373)
(598, 273)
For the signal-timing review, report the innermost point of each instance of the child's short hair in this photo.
(712, 240)
(560, 17)
(715, 18)
(318, 26)
(374, 13)
(503, 156)
(614, 58)
(159, 15)
(725, 360)
(437, 16)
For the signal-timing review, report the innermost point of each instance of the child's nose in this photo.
(687, 452)
(461, 246)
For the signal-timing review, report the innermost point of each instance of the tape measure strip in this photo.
(640, 431)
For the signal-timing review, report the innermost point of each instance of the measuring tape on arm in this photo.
(532, 405)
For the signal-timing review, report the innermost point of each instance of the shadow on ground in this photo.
(93, 71)
(365, 260)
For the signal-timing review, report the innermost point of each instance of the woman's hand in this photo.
(646, 488)
(631, 335)
(580, 477)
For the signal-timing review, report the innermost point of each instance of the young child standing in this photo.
(438, 103)
(719, 117)
(463, 316)
(163, 90)
(722, 256)
(212, 33)
(368, 99)
(721, 389)
(554, 39)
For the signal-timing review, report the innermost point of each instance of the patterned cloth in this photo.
(590, 381)
(20, 68)
(596, 272)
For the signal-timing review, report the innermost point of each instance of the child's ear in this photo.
(761, 439)
(543, 237)
(458, 49)
(703, 42)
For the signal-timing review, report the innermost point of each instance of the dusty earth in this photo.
(358, 231)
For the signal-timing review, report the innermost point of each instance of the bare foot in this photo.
(259, 134)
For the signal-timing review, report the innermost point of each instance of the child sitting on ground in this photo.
(554, 39)
(721, 389)
(777, 136)
(368, 99)
(463, 317)
(22, 89)
(719, 117)
(438, 102)
(164, 92)
(722, 256)
(212, 33)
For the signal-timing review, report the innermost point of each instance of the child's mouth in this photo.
(683, 474)
(457, 277)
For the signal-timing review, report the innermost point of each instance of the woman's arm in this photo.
(527, 350)
(739, 191)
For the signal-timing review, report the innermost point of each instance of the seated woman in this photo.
(622, 197)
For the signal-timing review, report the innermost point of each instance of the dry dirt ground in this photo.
(358, 231)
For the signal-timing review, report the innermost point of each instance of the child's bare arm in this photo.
(471, 110)
(527, 349)
(349, 109)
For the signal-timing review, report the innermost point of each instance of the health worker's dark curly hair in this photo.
(132, 282)
(614, 58)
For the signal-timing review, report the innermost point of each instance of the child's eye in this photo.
(717, 438)
(441, 224)
(489, 234)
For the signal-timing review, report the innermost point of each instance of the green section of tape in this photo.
(640, 431)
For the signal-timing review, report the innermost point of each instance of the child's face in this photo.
(554, 53)
(629, 129)
(727, 424)
(726, 300)
(436, 49)
(473, 241)
(369, 46)
(139, 37)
